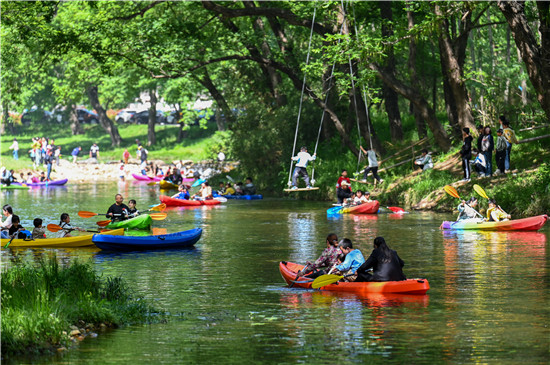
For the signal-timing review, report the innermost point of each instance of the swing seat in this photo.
(301, 189)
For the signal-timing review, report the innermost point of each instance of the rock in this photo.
(93, 335)
(73, 327)
(61, 349)
(74, 333)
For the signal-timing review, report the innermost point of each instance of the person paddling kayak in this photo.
(118, 211)
(467, 209)
(353, 260)
(386, 264)
(495, 212)
(327, 259)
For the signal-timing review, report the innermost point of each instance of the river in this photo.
(227, 303)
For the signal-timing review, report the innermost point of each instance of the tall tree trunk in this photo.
(420, 124)
(413, 94)
(390, 96)
(76, 128)
(453, 55)
(534, 56)
(151, 136)
(206, 81)
(5, 117)
(104, 120)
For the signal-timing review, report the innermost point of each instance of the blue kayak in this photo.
(137, 243)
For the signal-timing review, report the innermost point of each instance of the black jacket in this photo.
(119, 211)
(383, 271)
(466, 150)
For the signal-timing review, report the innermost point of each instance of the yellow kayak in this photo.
(77, 241)
(167, 185)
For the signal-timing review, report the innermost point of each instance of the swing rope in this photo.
(301, 97)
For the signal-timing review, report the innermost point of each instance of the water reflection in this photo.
(300, 225)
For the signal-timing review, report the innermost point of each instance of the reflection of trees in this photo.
(301, 228)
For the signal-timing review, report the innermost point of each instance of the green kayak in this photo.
(142, 221)
(12, 186)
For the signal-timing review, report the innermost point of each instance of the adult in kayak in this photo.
(495, 212)
(5, 225)
(353, 260)
(205, 192)
(466, 209)
(249, 188)
(386, 264)
(328, 259)
(118, 211)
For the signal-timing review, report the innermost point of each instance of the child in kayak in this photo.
(229, 190)
(495, 212)
(16, 229)
(205, 193)
(182, 193)
(360, 198)
(354, 259)
(466, 209)
(38, 231)
(67, 227)
(132, 210)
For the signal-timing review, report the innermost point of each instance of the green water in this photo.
(488, 302)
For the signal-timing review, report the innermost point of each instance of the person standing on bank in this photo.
(511, 138)
(94, 153)
(373, 165)
(500, 153)
(487, 147)
(466, 152)
(15, 147)
(302, 159)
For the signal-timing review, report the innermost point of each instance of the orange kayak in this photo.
(365, 208)
(289, 271)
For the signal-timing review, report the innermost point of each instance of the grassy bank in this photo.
(41, 302)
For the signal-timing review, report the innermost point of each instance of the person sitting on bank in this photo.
(182, 193)
(205, 192)
(302, 158)
(480, 165)
(38, 232)
(229, 190)
(132, 210)
(118, 211)
(327, 259)
(354, 259)
(424, 162)
(67, 227)
(385, 263)
(495, 212)
(466, 209)
(343, 187)
(249, 188)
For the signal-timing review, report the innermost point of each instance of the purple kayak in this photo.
(147, 178)
(45, 183)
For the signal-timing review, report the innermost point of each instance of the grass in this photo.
(40, 302)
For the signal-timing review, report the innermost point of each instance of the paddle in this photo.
(298, 275)
(152, 183)
(11, 239)
(483, 194)
(452, 192)
(55, 228)
(397, 209)
(197, 183)
(221, 199)
(15, 234)
(325, 280)
(85, 214)
(154, 216)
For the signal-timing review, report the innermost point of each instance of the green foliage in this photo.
(40, 301)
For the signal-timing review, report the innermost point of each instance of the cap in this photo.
(345, 182)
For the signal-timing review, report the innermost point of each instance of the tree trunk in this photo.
(151, 136)
(534, 56)
(390, 96)
(104, 120)
(220, 120)
(76, 128)
(5, 118)
(206, 81)
(453, 55)
(420, 124)
(418, 100)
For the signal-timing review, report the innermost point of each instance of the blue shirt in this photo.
(184, 196)
(353, 260)
(75, 152)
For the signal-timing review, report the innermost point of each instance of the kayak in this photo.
(173, 202)
(13, 186)
(244, 197)
(147, 178)
(289, 271)
(142, 221)
(167, 185)
(524, 224)
(159, 242)
(365, 208)
(44, 183)
(76, 241)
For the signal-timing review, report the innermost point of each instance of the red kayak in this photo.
(173, 202)
(365, 208)
(289, 271)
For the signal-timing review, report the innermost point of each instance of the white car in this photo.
(124, 116)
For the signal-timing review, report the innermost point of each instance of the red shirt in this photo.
(339, 183)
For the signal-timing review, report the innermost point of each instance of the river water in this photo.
(227, 303)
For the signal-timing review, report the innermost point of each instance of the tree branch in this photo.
(142, 12)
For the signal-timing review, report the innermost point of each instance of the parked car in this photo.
(143, 117)
(87, 116)
(124, 116)
(35, 115)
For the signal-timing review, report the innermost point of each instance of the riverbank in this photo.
(47, 308)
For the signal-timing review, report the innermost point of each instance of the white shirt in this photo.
(371, 156)
(14, 146)
(303, 158)
(221, 156)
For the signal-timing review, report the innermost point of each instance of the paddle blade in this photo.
(85, 214)
(396, 209)
(158, 216)
(197, 183)
(103, 223)
(53, 227)
(451, 191)
(325, 280)
(334, 210)
(159, 231)
(159, 208)
(480, 191)
(152, 183)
